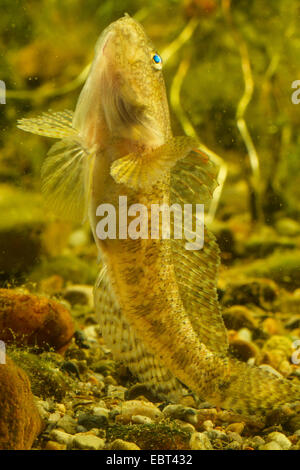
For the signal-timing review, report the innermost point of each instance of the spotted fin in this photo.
(52, 124)
(192, 181)
(67, 168)
(128, 348)
(141, 171)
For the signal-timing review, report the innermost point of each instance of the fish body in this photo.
(156, 301)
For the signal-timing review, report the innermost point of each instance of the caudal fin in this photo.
(252, 391)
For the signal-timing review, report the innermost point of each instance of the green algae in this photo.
(47, 381)
(157, 436)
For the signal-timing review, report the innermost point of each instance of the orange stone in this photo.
(27, 319)
(20, 422)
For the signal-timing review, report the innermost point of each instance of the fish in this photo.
(156, 301)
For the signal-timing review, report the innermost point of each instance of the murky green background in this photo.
(229, 70)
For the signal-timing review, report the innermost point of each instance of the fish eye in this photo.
(156, 61)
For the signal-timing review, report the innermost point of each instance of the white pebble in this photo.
(208, 425)
(199, 441)
(138, 407)
(270, 446)
(139, 419)
(280, 439)
(61, 437)
(99, 411)
(88, 442)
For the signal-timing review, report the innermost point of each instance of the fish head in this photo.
(124, 96)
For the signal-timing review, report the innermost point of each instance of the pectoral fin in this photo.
(67, 169)
(141, 171)
(52, 124)
(66, 174)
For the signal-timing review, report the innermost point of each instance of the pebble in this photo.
(88, 442)
(132, 408)
(61, 408)
(270, 446)
(255, 442)
(280, 343)
(243, 350)
(199, 441)
(236, 427)
(61, 437)
(79, 294)
(185, 425)
(91, 332)
(216, 434)
(280, 439)
(181, 412)
(244, 334)
(234, 436)
(205, 414)
(52, 445)
(109, 380)
(53, 418)
(114, 391)
(208, 425)
(237, 317)
(234, 445)
(119, 444)
(100, 411)
(68, 424)
(139, 419)
(89, 421)
(43, 409)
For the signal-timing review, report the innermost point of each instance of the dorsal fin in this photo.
(192, 181)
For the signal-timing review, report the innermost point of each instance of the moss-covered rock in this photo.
(159, 436)
(47, 380)
(20, 422)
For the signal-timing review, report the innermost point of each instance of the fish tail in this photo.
(252, 391)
